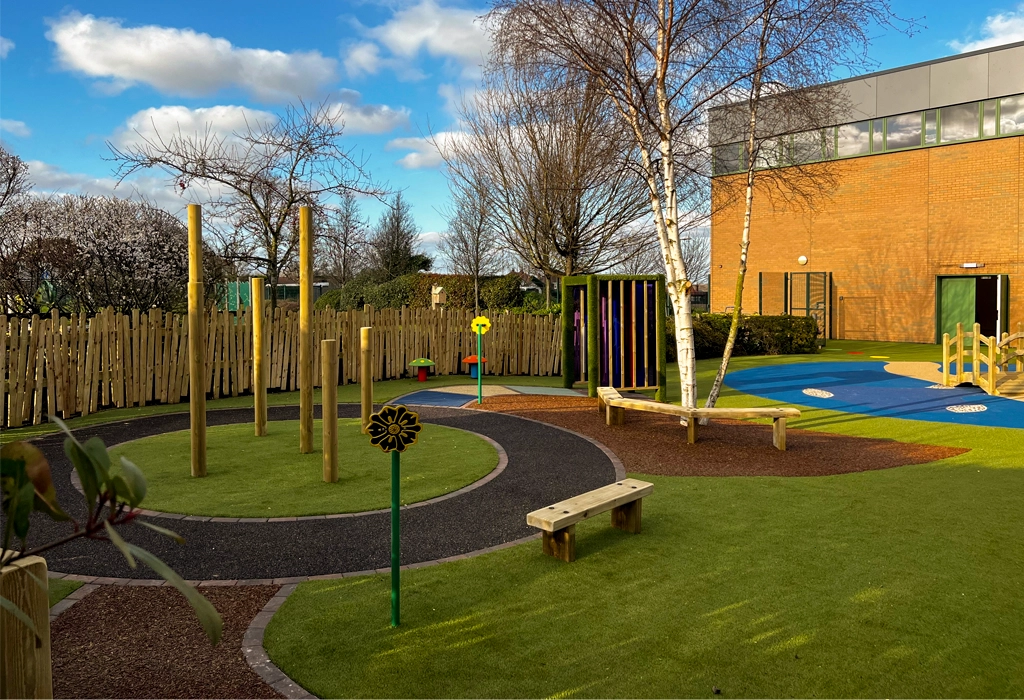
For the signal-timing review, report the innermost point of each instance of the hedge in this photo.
(758, 335)
(496, 293)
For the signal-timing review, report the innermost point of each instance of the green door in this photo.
(956, 304)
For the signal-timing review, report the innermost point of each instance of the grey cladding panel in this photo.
(902, 91)
(960, 80)
(861, 96)
(1006, 72)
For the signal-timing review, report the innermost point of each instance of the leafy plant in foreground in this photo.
(112, 497)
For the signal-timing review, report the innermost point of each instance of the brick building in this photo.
(922, 224)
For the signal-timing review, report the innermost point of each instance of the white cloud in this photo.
(424, 150)
(15, 128)
(442, 32)
(220, 121)
(999, 29)
(368, 119)
(182, 61)
(48, 179)
(224, 120)
(6, 46)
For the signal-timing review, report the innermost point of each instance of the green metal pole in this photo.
(396, 458)
(479, 369)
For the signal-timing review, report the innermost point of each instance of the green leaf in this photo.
(120, 543)
(97, 451)
(163, 531)
(135, 481)
(86, 470)
(20, 508)
(18, 613)
(207, 614)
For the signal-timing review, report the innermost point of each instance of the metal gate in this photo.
(798, 294)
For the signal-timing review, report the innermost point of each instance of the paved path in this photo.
(545, 465)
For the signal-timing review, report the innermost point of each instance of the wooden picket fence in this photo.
(76, 365)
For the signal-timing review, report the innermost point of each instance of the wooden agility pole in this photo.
(329, 406)
(259, 369)
(196, 340)
(305, 330)
(365, 377)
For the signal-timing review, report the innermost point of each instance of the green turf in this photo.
(254, 477)
(349, 393)
(901, 582)
(59, 589)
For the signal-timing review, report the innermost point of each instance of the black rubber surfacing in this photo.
(545, 465)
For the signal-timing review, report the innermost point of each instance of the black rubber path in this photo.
(545, 465)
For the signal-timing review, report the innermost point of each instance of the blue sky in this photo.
(74, 75)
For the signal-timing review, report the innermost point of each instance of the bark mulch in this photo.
(145, 642)
(650, 443)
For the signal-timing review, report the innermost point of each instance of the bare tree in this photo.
(547, 152)
(469, 246)
(342, 240)
(660, 63)
(14, 182)
(786, 56)
(257, 178)
(663, 64)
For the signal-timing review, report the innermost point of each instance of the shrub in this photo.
(392, 295)
(758, 335)
(500, 293)
(330, 299)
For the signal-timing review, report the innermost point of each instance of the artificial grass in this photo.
(901, 582)
(252, 477)
(349, 393)
(58, 589)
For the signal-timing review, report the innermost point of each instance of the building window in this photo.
(876, 136)
(930, 132)
(727, 159)
(808, 147)
(903, 131)
(960, 123)
(988, 122)
(854, 139)
(772, 153)
(1011, 115)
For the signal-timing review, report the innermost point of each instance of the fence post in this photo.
(976, 353)
(959, 353)
(305, 330)
(945, 359)
(196, 336)
(992, 347)
(259, 370)
(329, 407)
(365, 378)
(25, 666)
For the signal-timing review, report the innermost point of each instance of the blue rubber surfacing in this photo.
(866, 388)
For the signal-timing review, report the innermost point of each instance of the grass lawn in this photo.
(901, 582)
(253, 477)
(59, 589)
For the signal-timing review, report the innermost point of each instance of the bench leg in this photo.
(615, 415)
(600, 404)
(779, 433)
(561, 544)
(691, 430)
(627, 516)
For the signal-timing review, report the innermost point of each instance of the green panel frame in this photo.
(593, 338)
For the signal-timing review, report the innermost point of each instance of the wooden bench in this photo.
(611, 403)
(558, 522)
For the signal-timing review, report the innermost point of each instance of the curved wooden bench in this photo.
(613, 405)
(558, 522)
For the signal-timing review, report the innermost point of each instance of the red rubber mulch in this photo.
(650, 443)
(145, 642)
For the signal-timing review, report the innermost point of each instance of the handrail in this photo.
(997, 354)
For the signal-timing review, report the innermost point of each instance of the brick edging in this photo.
(70, 599)
(76, 481)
